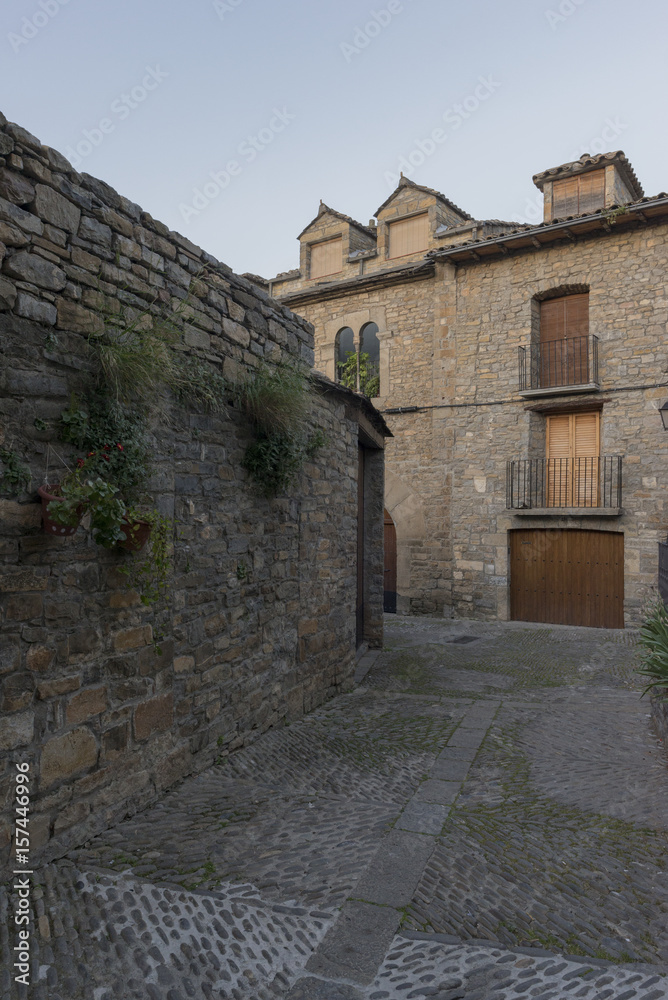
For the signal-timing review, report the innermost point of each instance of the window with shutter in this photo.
(564, 347)
(326, 258)
(572, 459)
(578, 195)
(409, 235)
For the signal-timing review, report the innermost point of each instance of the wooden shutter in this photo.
(578, 195)
(572, 459)
(592, 189)
(585, 459)
(565, 198)
(326, 258)
(564, 359)
(558, 461)
(409, 235)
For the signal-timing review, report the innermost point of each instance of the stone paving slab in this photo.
(357, 943)
(423, 817)
(392, 877)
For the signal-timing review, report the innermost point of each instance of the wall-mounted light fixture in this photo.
(663, 410)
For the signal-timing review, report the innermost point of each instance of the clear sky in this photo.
(285, 103)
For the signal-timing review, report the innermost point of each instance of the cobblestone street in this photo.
(483, 818)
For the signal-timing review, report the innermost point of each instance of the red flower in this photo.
(106, 447)
(106, 458)
(90, 454)
(120, 447)
(80, 463)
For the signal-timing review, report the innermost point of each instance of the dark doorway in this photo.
(390, 585)
(359, 604)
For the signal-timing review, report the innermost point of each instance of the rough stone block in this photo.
(10, 654)
(67, 755)
(15, 187)
(19, 515)
(35, 269)
(133, 638)
(239, 334)
(74, 317)
(154, 716)
(25, 220)
(12, 236)
(96, 232)
(17, 692)
(115, 740)
(15, 579)
(31, 308)
(16, 730)
(23, 608)
(86, 704)
(75, 812)
(58, 687)
(40, 658)
(184, 663)
(8, 295)
(54, 208)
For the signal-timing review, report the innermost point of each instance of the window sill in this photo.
(560, 390)
(568, 512)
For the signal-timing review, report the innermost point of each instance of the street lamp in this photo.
(663, 410)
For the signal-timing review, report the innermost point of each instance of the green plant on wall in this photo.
(654, 643)
(276, 399)
(14, 474)
(369, 379)
(148, 574)
(113, 437)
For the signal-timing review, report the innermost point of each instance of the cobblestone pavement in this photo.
(483, 818)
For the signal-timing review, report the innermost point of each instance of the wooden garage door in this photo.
(567, 577)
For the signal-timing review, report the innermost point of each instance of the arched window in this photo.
(358, 367)
(346, 357)
(369, 360)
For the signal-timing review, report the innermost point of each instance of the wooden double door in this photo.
(567, 577)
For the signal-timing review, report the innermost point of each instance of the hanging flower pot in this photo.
(53, 520)
(137, 532)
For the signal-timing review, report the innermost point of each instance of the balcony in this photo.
(576, 486)
(556, 366)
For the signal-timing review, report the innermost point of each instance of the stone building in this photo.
(521, 369)
(108, 701)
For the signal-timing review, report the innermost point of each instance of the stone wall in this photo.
(109, 701)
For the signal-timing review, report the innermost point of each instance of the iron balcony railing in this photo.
(558, 363)
(564, 482)
(663, 571)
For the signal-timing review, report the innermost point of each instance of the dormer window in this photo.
(409, 236)
(326, 258)
(578, 195)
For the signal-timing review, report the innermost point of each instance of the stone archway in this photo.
(405, 509)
